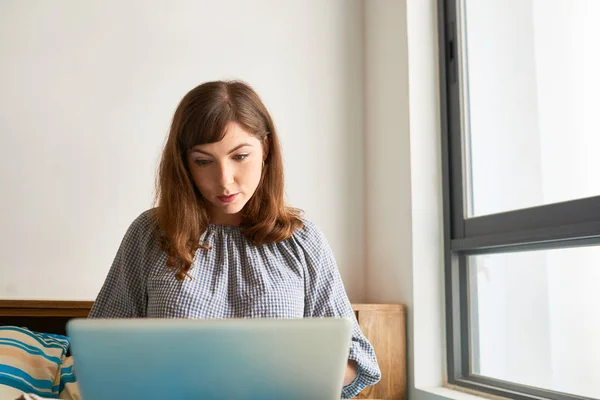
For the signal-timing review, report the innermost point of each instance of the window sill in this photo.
(452, 393)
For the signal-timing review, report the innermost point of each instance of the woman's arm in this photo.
(325, 296)
(123, 294)
(351, 372)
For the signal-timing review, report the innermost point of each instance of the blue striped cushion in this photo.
(30, 362)
(69, 388)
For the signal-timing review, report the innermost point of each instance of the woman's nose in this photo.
(226, 174)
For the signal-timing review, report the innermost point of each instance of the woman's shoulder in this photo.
(144, 226)
(310, 234)
(145, 220)
(314, 246)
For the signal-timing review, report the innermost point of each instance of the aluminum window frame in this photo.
(566, 224)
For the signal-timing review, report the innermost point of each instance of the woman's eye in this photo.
(202, 162)
(241, 157)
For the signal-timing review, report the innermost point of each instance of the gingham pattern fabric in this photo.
(295, 278)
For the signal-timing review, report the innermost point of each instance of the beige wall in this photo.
(403, 179)
(88, 91)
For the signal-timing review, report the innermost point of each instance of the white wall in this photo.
(88, 91)
(403, 185)
(387, 150)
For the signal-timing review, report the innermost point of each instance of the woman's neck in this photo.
(226, 219)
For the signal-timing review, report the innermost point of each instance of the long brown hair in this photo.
(200, 118)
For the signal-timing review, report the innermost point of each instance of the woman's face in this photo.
(228, 172)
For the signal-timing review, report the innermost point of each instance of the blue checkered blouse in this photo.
(294, 278)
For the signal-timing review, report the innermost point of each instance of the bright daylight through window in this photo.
(521, 147)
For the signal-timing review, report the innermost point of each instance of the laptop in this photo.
(210, 359)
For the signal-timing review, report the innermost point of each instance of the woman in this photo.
(222, 243)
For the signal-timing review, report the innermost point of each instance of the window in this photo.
(521, 154)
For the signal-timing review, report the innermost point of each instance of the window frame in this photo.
(566, 224)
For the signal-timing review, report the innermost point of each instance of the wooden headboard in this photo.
(42, 315)
(383, 324)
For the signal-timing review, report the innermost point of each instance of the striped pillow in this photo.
(69, 389)
(30, 362)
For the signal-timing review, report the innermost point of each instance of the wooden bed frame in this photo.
(383, 324)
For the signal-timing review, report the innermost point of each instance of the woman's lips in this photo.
(227, 199)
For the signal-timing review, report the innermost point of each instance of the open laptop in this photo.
(265, 359)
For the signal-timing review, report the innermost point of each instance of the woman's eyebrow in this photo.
(200, 151)
(239, 147)
(195, 150)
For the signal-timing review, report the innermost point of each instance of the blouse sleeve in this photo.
(326, 297)
(123, 294)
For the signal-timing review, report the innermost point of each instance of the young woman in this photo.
(222, 243)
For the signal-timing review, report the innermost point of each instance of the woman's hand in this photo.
(351, 372)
